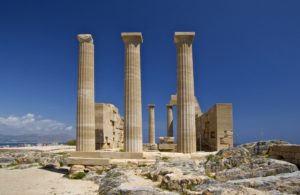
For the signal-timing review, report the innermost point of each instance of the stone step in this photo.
(88, 161)
(109, 155)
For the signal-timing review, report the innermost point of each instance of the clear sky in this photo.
(245, 52)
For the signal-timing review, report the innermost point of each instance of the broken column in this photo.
(186, 130)
(85, 126)
(133, 105)
(169, 120)
(151, 124)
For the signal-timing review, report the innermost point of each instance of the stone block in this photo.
(149, 147)
(225, 140)
(167, 147)
(297, 156)
(289, 155)
(88, 161)
(166, 140)
(109, 155)
(228, 133)
(288, 148)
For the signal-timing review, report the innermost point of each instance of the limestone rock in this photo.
(76, 169)
(287, 183)
(262, 147)
(26, 159)
(227, 158)
(175, 175)
(121, 181)
(237, 163)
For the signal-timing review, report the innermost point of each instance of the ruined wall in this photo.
(214, 128)
(287, 152)
(109, 127)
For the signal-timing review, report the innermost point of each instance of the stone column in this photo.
(169, 120)
(186, 130)
(133, 141)
(151, 124)
(85, 125)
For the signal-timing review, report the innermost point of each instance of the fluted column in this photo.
(169, 120)
(151, 123)
(186, 130)
(133, 103)
(85, 125)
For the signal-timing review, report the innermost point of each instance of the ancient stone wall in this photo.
(214, 128)
(109, 127)
(287, 152)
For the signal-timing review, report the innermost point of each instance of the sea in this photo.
(20, 144)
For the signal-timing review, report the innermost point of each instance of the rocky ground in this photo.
(246, 169)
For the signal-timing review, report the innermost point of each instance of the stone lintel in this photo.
(132, 37)
(151, 105)
(184, 37)
(85, 38)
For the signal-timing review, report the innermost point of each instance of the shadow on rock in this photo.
(52, 168)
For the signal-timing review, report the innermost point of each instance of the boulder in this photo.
(262, 147)
(75, 169)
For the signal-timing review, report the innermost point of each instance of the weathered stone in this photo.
(262, 147)
(169, 120)
(109, 126)
(166, 140)
(110, 155)
(85, 126)
(76, 169)
(88, 161)
(215, 128)
(150, 147)
(287, 152)
(186, 129)
(120, 181)
(133, 101)
(167, 147)
(151, 124)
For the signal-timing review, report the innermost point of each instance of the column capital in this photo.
(184, 37)
(132, 37)
(169, 106)
(151, 105)
(85, 38)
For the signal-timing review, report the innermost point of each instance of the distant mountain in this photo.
(35, 138)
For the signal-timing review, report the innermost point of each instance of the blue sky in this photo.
(245, 52)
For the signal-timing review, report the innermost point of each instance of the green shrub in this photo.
(213, 158)
(79, 175)
(164, 158)
(113, 166)
(62, 153)
(71, 142)
(13, 164)
(99, 171)
(209, 174)
(142, 165)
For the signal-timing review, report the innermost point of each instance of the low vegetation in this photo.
(71, 142)
(165, 158)
(213, 158)
(79, 175)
